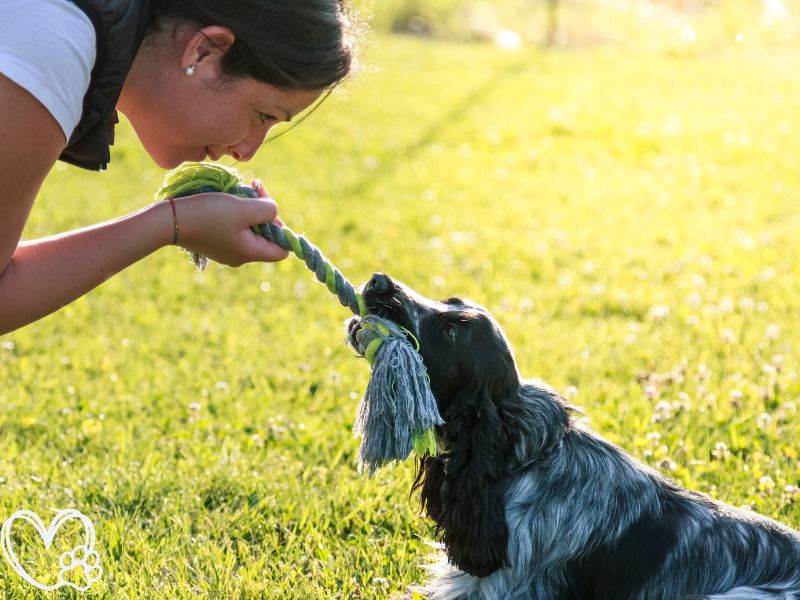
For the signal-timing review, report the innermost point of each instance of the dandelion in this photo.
(663, 411)
(773, 332)
(694, 300)
(91, 427)
(766, 484)
(651, 392)
(720, 451)
(727, 336)
(736, 398)
(763, 421)
(659, 312)
(570, 392)
(791, 493)
(653, 437)
(726, 304)
(667, 464)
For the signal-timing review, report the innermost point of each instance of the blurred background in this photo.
(677, 25)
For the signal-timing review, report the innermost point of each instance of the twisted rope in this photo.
(197, 178)
(323, 270)
(398, 411)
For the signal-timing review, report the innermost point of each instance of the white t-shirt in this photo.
(48, 48)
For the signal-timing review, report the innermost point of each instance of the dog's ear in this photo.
(471, 507)
(430, 481)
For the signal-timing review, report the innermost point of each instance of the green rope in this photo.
(398, 411)
(195, 178)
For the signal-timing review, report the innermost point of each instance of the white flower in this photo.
(763, 420)
(726, 304)
(667, 464)
(663, 411)
(653, 437)
(720, 451)
(766, 483)
(659, 312)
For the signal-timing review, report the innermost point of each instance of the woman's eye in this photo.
(451, 331)
(265, 117)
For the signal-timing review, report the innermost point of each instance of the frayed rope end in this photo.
(398, 411)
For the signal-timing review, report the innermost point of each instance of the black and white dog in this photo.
(531, 505)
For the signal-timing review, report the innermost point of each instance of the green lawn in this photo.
(630, 218)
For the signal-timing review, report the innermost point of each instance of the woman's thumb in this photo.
(258, 211)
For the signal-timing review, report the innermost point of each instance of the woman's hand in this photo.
(217, 225)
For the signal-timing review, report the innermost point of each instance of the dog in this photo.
(530, 504)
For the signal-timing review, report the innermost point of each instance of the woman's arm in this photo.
(39, 277)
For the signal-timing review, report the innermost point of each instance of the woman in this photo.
(195, 78)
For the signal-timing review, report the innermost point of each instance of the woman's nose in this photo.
(246, 149)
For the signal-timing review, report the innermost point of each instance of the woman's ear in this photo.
(204, 49)
(472, 505)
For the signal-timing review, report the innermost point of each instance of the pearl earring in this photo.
(190, 70)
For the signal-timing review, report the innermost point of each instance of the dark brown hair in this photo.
(293, 44)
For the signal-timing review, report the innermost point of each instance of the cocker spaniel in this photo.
(532, 505)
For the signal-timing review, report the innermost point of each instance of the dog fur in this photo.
(532, 505)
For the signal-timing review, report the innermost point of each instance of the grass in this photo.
(630, 218)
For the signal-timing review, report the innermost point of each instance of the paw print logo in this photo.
(76, 559)
(80, 564)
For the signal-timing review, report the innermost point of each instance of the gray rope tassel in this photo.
(398, 410)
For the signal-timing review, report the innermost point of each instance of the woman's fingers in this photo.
(258, 185)
(218, 225)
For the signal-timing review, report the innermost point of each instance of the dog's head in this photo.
(474, 379)
(462, 346)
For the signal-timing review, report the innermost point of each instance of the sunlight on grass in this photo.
(630, 218)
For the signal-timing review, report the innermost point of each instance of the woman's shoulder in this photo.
(48, 48)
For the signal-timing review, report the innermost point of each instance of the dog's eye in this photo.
(451, 331)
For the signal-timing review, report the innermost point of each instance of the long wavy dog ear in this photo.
(472, 505)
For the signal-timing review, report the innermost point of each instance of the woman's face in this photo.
(180, 117)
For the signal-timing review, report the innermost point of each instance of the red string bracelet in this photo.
(174, 221)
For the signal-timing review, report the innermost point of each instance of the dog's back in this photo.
(592, 522)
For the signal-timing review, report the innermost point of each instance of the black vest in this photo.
(120, 27)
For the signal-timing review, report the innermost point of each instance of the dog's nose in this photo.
(379, 282)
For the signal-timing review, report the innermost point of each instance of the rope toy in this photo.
(398, 411)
